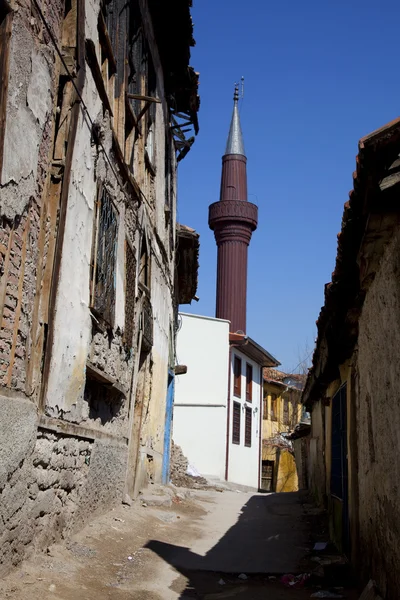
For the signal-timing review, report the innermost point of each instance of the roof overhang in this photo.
(252, 350)
(187, 263)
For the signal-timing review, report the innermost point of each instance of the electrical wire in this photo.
(73, 83)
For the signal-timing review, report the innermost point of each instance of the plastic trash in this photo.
(191, 470)
(326, 594)
(221, 582)
(295, 581)
(242, 576)
(319, 546)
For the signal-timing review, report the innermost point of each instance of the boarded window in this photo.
(104, 259)
(249, 382)
(274, 407)
(286, 411)
(237, 376)
(247, 430)
(236, 423)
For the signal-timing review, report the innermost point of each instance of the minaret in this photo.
(233, 219)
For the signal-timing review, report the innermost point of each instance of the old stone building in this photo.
(93, 97)
(353, 387)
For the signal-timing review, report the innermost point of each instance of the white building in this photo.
(218, 402)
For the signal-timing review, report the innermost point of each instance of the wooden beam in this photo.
(71, 429)
(106, 44)
(143, 98)
(92, 372)
(19, 304)
(93, 63)
(5, 35)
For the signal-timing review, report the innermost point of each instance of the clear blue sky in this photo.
(318, 77)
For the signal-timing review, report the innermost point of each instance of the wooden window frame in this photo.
(107, 315)
(236, 429)
(249, 382)
(248, 426)
(266, 415)
(237, 376)
(274, 404)
(285, 412)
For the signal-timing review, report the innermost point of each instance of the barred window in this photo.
(104, 259)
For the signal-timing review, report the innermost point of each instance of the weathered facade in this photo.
(92, 97)
(281, 413)
(352, 389)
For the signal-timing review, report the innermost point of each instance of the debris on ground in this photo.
(295, 581)
(221, 582)
(242, 576)
(179, 475)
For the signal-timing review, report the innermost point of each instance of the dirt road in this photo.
(194, 549)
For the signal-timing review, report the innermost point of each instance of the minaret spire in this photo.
(233, 220)
(234, 144)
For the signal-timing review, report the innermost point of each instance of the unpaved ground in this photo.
(194, 549)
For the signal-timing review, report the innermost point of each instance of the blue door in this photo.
(168, 427)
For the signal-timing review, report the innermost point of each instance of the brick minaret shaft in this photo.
(233, 219)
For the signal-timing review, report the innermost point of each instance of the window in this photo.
(274, 407)
(265, 408)
(236, 423)
(249, 382)
(237, 376)
(286, 411)
(247, 431)
(267, 475)
(104, 261)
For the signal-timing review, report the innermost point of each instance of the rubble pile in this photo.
(179, 475)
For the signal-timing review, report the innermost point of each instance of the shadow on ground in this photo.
(268, 538)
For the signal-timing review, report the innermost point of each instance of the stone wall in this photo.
(378, 425)
(50, 483)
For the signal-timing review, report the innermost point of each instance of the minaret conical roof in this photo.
(234, 144)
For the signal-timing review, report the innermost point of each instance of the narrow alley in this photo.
(187, 544)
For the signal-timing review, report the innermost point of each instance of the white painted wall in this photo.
(200, 428)
(244, 461)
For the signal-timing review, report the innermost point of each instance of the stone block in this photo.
(18, 427)
(13, 498)
(45, 503)
(153, 500)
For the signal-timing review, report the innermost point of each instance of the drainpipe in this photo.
(260, 429)
(228, 415)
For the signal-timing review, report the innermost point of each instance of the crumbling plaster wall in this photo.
(378, 425)
(28, 138)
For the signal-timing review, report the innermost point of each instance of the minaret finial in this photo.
(236, 93)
